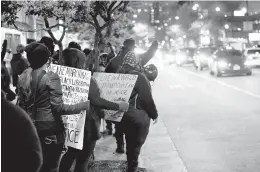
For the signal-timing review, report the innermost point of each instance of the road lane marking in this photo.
(224, 84)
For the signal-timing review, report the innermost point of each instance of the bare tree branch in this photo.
(110, 7)
(37, 30)
(116, 7)
(96, 24)
(47, 25)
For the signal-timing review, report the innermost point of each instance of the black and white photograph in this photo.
(182, 79)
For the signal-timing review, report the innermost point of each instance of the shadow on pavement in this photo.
(111, 166)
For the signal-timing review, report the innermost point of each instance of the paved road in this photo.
(213, 122)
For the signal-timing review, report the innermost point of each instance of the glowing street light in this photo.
(159, 28)
(195, 7)
(239, 29)
(226, 26)
(165, 24)
(139, 10)
(217, 9)
(135, 15)
(244, 9)
(225, 15)
(177, 17)
(133, 21)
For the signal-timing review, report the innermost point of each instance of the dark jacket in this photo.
(92, 123)
(141, 97)
(117, 61)
(21, 149)
(19, 64)
(49, 103)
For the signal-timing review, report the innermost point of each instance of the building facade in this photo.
(15, 37)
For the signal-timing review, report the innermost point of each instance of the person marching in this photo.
(114, 65)
(136, 121)
(40, 95)
(75, 58)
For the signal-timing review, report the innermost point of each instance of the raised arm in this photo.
(147, 56)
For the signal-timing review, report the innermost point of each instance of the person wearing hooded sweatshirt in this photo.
(21, 148)
(40, 95)
(136, 121)
(113, 67)
(18, 64)
(75, 58)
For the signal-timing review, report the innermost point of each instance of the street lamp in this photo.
(226, 26)
(135, 16)
(165, 24)
(159, 28)
(139, 10)
(177, 17)
(217, 9)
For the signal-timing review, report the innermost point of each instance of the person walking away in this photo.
(18, 64)
(5, 77)
(75, 58)
(40, 95)
(21, 148)
(136, 121)
(113, 67)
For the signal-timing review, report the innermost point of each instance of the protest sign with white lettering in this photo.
(115, 88)
(75, 87)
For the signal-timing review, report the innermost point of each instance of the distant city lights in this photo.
(217, 9)
(226, 26)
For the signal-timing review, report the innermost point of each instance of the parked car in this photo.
(184, 56)
(226, 61)
(253, 56)
(201, 57)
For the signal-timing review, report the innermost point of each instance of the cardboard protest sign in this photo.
(75, 87)
(115, 88)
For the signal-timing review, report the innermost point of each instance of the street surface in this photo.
(214, 123)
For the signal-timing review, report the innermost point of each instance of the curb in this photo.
(159, 152)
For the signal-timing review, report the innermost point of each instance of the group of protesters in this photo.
(32, 131)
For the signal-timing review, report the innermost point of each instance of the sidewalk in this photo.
(158, 153)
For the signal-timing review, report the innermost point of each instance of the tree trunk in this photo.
(60, 52)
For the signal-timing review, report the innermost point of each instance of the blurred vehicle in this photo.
(253, 56)
(184, 56)
(228, 61)
(201, 57)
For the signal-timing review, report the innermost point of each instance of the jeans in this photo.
(135, 125)
(81, 156)
(51, 156)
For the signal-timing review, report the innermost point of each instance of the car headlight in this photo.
(222, 64)
(249, 58)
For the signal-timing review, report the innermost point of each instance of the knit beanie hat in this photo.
(20, 49)
(37, 54)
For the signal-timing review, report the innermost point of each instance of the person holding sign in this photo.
(40, 95)
(136, 121)
(75, 58)
(114, 65)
